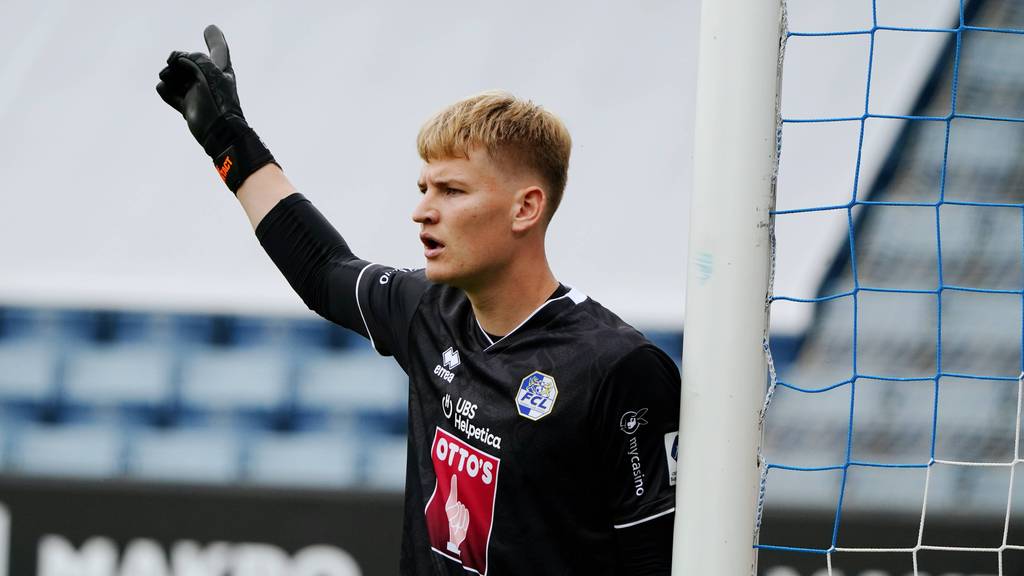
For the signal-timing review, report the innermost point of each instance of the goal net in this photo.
(892, 436)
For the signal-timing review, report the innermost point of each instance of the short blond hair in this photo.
(513, 131)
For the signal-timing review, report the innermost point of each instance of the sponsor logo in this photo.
(386, 277)
(536, 396)
(224, 168)
(635, 468)
(464, 412)
(672, 455)
(460, 512)
(632, 421)
(100, 556)
(450, 358)
(449, 361)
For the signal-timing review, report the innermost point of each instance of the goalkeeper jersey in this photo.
(527, 452)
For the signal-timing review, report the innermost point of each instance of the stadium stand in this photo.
(897, 247)
(200, 399)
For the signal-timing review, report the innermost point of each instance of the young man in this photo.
(542, 428)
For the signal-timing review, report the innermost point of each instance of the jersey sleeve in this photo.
(375, 301)
(637, 418)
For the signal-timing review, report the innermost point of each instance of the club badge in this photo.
(536, 396)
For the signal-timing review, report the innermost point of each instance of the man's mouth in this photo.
(431, 246)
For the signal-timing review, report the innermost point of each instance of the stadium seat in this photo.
(78, 449)
(385, 462)
(119, 375)
(321, 458)
(352, 383)
(224, 380)
(185, 454)
(4, 438)
(28, 370)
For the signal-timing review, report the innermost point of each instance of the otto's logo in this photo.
(536, 396)
(632, 421)
(224, 168)
(449, 361)
(460, 512)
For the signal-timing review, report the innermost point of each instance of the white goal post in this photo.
(728, 270)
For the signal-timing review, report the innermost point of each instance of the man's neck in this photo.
(504, 303)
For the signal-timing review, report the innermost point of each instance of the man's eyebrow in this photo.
(443, 183)
(450, 182)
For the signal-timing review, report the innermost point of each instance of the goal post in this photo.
(728, 273)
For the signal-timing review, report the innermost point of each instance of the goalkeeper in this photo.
(542, 428)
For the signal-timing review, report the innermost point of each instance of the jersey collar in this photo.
(549, 309)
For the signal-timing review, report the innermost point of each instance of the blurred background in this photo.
(168, 404)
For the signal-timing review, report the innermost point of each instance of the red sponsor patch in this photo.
(460, 512)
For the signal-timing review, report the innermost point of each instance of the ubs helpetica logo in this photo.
(449, 361)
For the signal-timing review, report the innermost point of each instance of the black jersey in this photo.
(526, 453)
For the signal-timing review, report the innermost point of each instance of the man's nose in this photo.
(425, 213)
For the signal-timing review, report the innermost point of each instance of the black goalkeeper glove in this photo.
(202, 88)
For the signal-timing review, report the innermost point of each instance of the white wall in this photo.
(107, 201)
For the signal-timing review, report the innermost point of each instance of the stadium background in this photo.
(160, 384)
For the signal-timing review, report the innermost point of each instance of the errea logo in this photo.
(449, 361)
(450, 358)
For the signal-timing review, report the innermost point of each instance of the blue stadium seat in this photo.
(5, 437)
(320, 458)
(225, 380)
(123, 375)
(197, 454)
(385, 462)
(73, 449)
(28, 370)
(352, 383)
(18, 322)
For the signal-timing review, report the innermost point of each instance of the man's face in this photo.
(465, 218)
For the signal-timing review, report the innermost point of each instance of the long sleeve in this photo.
(374, 300)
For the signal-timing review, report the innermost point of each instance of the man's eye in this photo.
(450, 191)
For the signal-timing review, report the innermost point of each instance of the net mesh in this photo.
(904, 402)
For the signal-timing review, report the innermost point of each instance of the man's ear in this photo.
(528, 209)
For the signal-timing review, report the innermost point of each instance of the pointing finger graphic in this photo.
(453, 495)
(458, 517)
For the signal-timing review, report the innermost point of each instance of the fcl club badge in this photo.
(536, 396)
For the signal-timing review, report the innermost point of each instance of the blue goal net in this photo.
(893, 436)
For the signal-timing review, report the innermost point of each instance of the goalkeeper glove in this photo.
(202, 88)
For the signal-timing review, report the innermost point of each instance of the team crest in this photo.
(536, 396)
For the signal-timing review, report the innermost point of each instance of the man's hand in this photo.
(202, 89)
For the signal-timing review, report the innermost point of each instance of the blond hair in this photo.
(513, 131)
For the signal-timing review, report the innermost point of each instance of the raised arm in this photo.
(262, 190)
(202, 88)
(311, 254)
